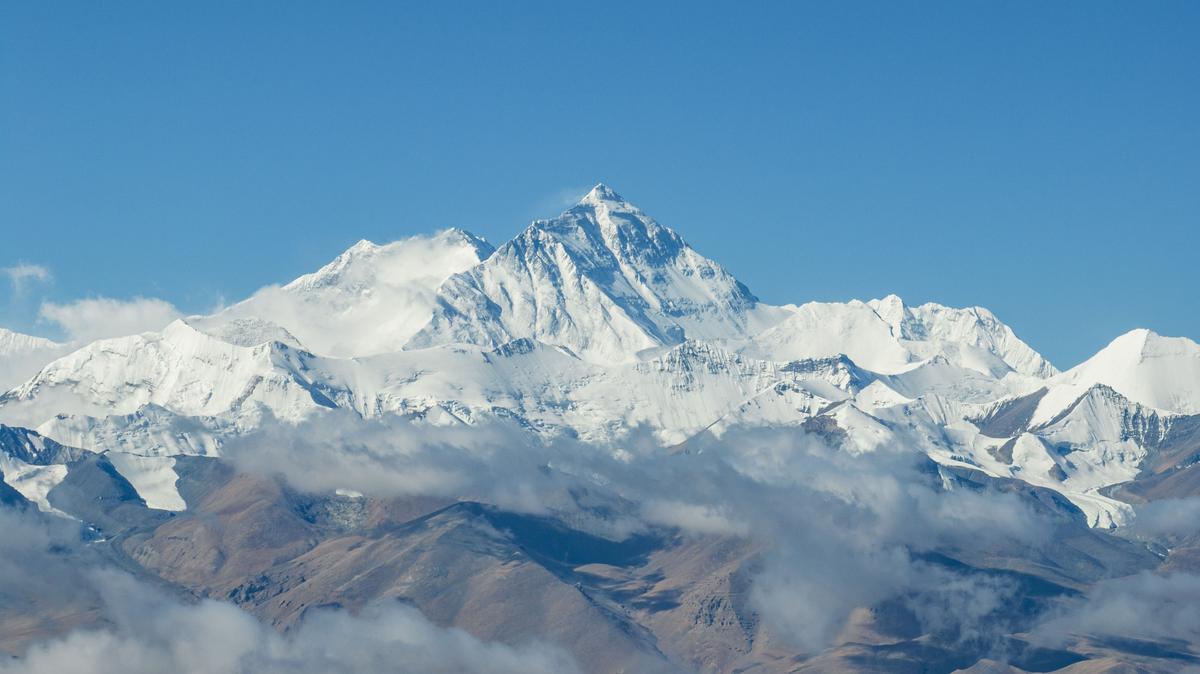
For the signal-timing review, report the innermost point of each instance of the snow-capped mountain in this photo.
(596, 323)
(1156, 371)
(370, 299)
(180, 369)
(888, 336)
(603, 280)
(1098, 440)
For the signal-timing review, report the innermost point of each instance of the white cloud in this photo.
(830, 533)
(697, 518)
(1167, 518)
(24, 273)
(153, 632)
(101, 317)
(836, 531)
(1141, 606)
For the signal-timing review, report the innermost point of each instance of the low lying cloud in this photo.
(823, 533)
(40, 563)
(693, 517)
(1143, 606)
(16, 367)
(101, 317)
(1167, 518)
(136, 628)
(154, 632)
(836, 532)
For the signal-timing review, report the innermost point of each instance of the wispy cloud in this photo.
(24, 273)
(556, 202)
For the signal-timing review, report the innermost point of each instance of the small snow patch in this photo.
(153, 477)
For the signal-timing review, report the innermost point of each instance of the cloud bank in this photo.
(837, 532)
(102, 317)
(827, 533)
(154, 632)
(148, 630)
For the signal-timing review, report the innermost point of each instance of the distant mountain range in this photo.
(599, 321)
(599, 326)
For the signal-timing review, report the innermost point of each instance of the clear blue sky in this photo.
(1040, 159)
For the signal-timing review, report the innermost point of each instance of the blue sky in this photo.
(1040, 159)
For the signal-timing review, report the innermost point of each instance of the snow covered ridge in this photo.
(22, 355)
(592, 324)
(15, 342)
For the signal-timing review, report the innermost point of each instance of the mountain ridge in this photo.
(593, 324)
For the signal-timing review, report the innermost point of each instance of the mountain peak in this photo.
(603, 279)
(602, 225)
(1134, 346)
(1160, 372)
(601, 193)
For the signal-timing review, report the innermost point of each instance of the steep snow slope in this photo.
(887, 336)
(939, 376)
(153, 477)
(32, 481)
(371, 299)
(821, 330)
(603, 280)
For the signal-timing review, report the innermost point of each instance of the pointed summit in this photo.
(601, 193)
(602, 279)
(1161, 372)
